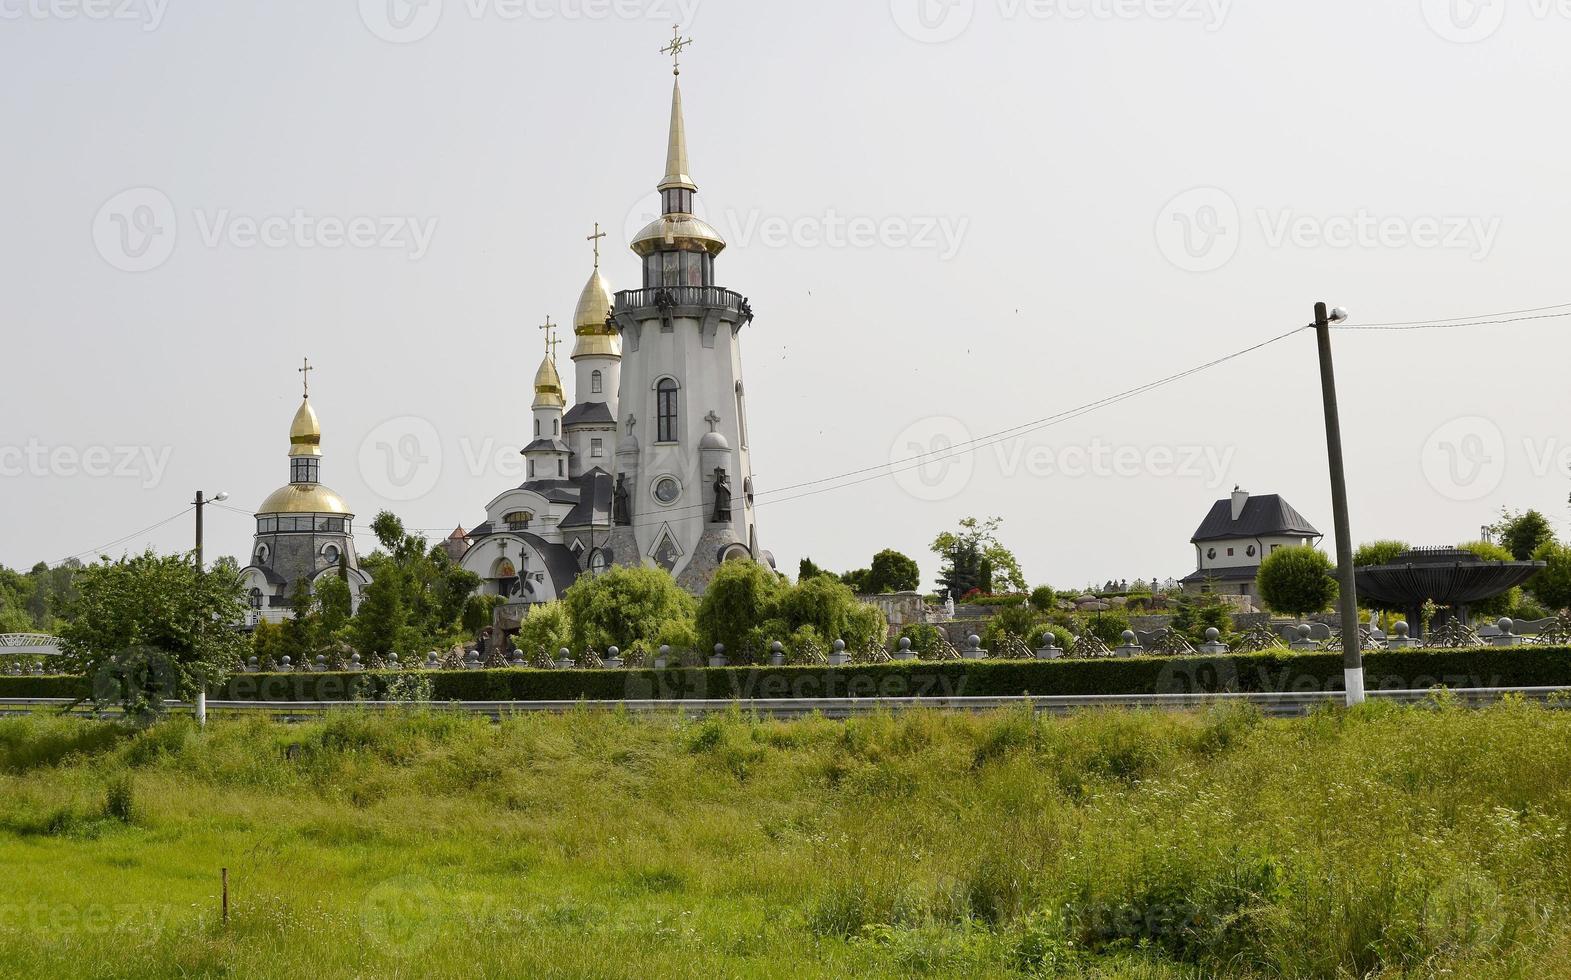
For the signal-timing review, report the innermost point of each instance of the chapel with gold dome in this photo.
(303, 529)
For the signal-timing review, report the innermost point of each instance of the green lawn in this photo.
(1393, 842)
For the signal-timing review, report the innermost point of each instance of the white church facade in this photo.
(651, 465)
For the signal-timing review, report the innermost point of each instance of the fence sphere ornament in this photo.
(1129, 638)
(1401, 628)
(1213, 634)
(905, 643)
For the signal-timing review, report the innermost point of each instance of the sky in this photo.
(953, 218)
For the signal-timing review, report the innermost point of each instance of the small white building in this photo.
(1235, 538)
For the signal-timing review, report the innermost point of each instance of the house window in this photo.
(518, 520)
(537, 428)
(531, 469)
(1211, 553)
(331, 554)
(597, 448)
(561, 467)
(256, 598)
(666, 404)
(556, 427)
(1230, 552)
(304, 470)
(597, 382)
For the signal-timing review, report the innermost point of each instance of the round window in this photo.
(667, 489)
(1211, 553)
(331, 553)
(1251, 551)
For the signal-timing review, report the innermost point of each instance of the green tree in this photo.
(624, 606)
(807, 569)
(147, 628)
(1197, 613)
(1044, 599)
(891, 571)
(335, 603)
(547, 629)
(1523, 534)
(740, 598)
(379, 626)
(974, 558)
(1552, 586)
(1297, 581)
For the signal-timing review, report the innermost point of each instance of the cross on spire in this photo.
(550, 341)
(304, 371)
(595, 239)
(675, 48)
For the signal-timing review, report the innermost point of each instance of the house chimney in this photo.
(1240, 498)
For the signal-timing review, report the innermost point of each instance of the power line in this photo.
(135, 534)
(1482, 317)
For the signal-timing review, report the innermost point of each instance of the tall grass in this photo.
(1378, 842)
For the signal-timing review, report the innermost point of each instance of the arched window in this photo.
(596, 382)
(537, 428)
(556, 427)
(741, 413)
(518, 520)
(256, 598)
(665, 410)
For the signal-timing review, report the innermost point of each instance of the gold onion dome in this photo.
(304, 498)
(305, 433)
(594, 337)
(548, 385)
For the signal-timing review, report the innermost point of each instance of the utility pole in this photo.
(1352, 640)
(201, 501)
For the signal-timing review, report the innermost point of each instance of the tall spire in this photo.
(676, 172)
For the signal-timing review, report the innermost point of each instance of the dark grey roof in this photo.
(560, 563)
(1265, 515)
(588, 413)
(1239, 573)
(547, 446)
(594, 500)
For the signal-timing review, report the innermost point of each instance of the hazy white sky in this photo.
(951, 219)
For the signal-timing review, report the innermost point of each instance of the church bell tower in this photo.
(684, 495)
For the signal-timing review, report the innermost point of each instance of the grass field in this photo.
(1382, 842)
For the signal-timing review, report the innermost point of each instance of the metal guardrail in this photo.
(1283, 705)
(29, 644)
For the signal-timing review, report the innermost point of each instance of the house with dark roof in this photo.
(1235, 538)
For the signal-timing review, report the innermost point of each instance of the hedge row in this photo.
(1279, 672)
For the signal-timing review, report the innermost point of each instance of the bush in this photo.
(1297, 581)
(120, 799)
(1273, 671)
(1106, 626)
(625, 605)
(740, 598)
(1043, 599)
(924, 638)
(547, 629)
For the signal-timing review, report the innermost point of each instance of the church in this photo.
(304, 531)
(651, 463)
(649, 466)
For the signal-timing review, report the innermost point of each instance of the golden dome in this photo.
(595, 338)
(548, 386)
(305, 433)
(678, 231)
(304, 498)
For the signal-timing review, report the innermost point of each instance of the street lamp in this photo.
(202, 501)
(1352, 639)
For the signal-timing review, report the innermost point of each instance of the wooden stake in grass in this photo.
(224, 873)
